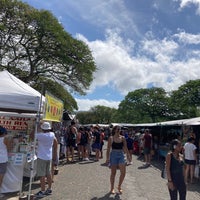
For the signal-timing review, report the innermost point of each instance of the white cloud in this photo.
(86, 104)
(129, 64)
(154, 64)
(185, 3)
(188, 38)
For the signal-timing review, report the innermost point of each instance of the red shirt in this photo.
(147, 140)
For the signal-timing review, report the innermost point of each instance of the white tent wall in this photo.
(17, 96)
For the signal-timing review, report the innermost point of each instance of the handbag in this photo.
(196, 171)
(164, 172)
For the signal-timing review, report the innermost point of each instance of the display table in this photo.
(12, 181)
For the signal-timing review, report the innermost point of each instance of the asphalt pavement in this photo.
(89, 180)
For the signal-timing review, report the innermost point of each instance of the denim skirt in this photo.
(117, 157)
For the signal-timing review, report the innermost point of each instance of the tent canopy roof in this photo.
(17, 96)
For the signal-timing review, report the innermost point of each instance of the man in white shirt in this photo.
(46, 152)
(190, 158)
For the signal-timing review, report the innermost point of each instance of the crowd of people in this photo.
(84, 140)
(79, 143)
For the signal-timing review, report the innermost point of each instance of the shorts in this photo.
(82, 144)
(130, 147)
(96, 146)
(117, 157)
(3, 167)
(147, 150)
(190, 162)
(43, 167)
(71, 143)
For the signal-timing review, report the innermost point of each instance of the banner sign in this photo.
(53, 109)
(16, 123)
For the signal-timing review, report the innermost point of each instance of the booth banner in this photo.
(53, 109)
(16, 123)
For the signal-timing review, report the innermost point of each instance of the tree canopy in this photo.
(97, 115)
(143, 105)
(34, 46)
(150, 105)
(186, 99)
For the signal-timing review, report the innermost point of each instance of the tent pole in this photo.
(34, 145)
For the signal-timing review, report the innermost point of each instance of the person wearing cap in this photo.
(46, 154)
(5, 146)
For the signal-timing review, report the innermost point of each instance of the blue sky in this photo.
(135, 43)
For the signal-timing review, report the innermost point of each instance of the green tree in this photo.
(143, 105)
(185, 101)
(35, 46)
(58, 91)
(97, 115)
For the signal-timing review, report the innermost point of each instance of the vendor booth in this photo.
(20, 109)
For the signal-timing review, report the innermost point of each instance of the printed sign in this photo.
(16, 123)
(53, 109)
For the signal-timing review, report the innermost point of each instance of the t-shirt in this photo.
(189, 151)
(129, 142)
(3, 150)
(45, 144)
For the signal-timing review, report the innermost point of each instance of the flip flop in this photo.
(120, 190)
(112, 191)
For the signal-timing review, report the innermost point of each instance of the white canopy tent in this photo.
(180, 122)
(193, 121)
(17, 96)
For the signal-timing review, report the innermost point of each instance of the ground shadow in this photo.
(108, 196)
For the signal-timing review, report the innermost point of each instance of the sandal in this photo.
(120, 190)
(112, 191)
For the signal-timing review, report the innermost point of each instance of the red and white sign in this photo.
(16, 123)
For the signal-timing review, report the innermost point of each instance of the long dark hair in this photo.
(114, 129)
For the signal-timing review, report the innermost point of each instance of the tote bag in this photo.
(196, 171)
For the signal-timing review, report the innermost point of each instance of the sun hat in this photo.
(46, 126)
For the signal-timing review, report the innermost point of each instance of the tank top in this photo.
(117, 145)
(84, 138)
(176, 169)
(71, 135)
(3, 151)
(97, 136)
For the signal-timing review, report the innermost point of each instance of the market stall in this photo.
(21, 107)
